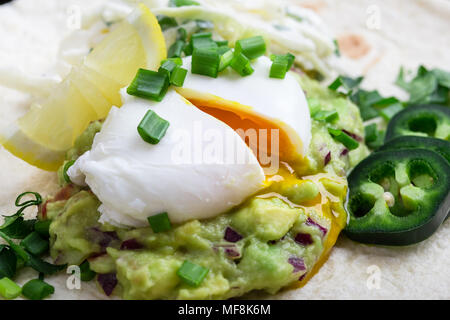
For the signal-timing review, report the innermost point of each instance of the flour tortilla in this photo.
(410, 33)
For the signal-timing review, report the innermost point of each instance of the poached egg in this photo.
(206, 163)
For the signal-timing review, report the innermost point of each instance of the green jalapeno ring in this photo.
(414, 182)
(420, 120)
(413, 142)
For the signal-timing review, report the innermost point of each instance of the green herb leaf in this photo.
(443, 77)
(8, 262)
(19, 229)
(349, 84)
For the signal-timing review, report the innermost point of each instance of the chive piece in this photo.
(288, 57)
(223, 49)
(278, 69)
(205, 61)
(371, 132)
(182, 34)
(348, 83)
(241, 64)
(37, 289)
(149, 85)
(176, 49)
(166, 22)
(160, 222)
(34, 244)
(344, 138)
(43, 228)
(252, 48)
(86, 273)
(9, 289)
(182, 3)
(178, 76)
(192, 274)
(222, 43)
(225, 59)
(168, 66)
(388, 112)
(327, 116)
(152, 127)
(203, 40)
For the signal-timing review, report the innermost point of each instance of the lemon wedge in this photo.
(44, 134)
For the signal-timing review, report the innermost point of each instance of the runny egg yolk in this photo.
(266, 138)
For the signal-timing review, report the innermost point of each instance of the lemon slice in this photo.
(44, 134)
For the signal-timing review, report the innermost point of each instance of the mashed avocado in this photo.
(277, 237)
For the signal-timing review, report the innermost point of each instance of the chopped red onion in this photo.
(327, 158)
(304, 239)
(231, 250)
(344, 152)
(104, 239)
(297, 263)
(108, 282)
(131, 244)
(231, 235)
(302, 277)
(353, 135)
(311, 222)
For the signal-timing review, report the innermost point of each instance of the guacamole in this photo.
(272, 240)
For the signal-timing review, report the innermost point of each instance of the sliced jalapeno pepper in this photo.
(398, 197)
(414, 142)
(420, 120)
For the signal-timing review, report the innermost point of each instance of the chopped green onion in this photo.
(176, 49)
(222, 43)
(182, 34)
(241, 64)
(37, 289)
(43, 227)
(203, 40)
(252, 48)
(34, 244)
(327, 116)
(223, 49)
(67, 165)
(149, 85)
(378, 142)
(371, 132)
(86, 273)
(343, 138)
(182, 3)
(225, 59)
(205, 61)
(290, 58)
(177, 60)
(152, 127)
(9, 289)
(166, 22)
(160, 222)
(178, 76)
(388, 112)
(168, 66)
(278, 69)
(192, 274)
